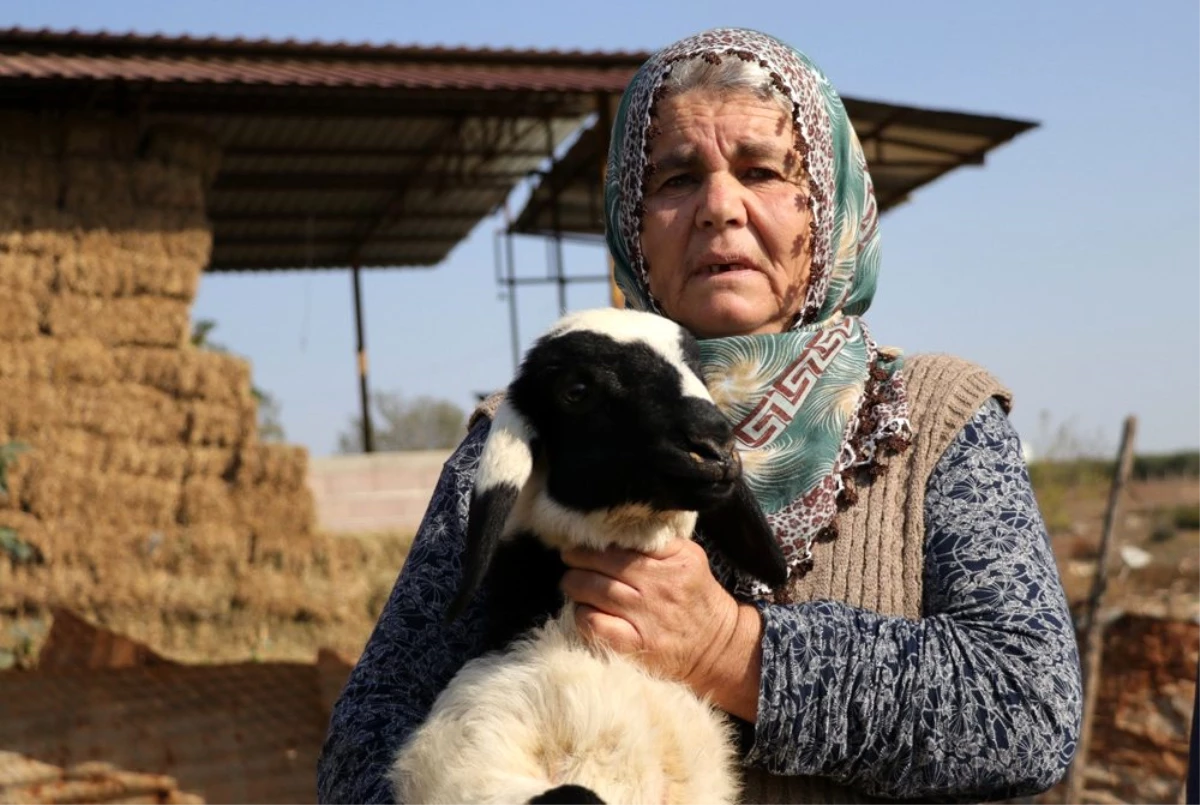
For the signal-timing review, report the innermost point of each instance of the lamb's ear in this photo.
(504, 468)
(740, 529)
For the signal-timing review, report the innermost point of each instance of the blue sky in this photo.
(1069, 265)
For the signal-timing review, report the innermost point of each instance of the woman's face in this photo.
(726, 228)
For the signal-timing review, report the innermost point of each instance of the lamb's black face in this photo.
(615, 425)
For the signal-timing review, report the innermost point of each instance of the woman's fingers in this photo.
(600, 627)
(605, 593)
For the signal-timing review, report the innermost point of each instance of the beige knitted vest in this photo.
(877, 560)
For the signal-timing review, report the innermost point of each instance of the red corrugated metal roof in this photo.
(41, 55)
(95, 40)
(332, 153)
(303, 73)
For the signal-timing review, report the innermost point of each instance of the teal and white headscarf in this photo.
(816, 405)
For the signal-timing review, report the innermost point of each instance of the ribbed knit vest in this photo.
(877, 560)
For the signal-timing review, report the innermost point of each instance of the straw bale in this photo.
(17, 476)
(189, 373)
(207, 501)
(100, 189)
(59, 489)
(86, 136)
(32, 229)
(125, 410)
(36, 274)
(27, 526)
(157, 184)
(191, 244)
(210, 424)
(279, 467)
(209, 462)
(24, 134)
(210, 545)
(99, 454)
(35, 181)
(273, 516)
(28, 410)
(184, 147)
(134, 320)
(19, 315)
(134, 262)
(118, 554)
(50, 360)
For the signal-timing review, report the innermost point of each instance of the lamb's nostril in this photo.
(710, 449)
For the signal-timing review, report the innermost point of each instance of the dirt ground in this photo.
(1168, 583)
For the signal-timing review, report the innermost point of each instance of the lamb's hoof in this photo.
(568, 794)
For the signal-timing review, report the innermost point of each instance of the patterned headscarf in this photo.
(814, 406)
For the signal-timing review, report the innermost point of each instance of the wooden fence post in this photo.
(1092, 620)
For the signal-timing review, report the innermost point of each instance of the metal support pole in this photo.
(364, 397)
(1092, 621)
(604, 116)
(510, 276)
(556, 225)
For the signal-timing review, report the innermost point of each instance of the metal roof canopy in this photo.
(906, 147)
(334, 155)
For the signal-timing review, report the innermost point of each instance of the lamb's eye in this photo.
(575, 393)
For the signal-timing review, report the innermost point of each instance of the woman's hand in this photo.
(669, 610)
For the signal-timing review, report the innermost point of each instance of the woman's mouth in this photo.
(718, 269)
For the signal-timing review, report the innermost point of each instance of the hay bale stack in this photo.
(145, 488)
(131, 320)
(19, 316)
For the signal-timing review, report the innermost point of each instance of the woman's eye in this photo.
(761, 174)
(678, 180)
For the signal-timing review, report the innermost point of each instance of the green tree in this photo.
(397, 423)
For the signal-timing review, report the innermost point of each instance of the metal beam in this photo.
(286, 102)
(379, 153)
(364, 397)
(965, 157)
(221, 267)
(256, 242)
(223, 217)
(321, 181)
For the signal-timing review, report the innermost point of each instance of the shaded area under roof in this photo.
(333, 154)
(906, 147)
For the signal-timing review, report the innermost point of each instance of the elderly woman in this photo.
(922, 647)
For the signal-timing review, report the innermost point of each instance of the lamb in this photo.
(607, 436)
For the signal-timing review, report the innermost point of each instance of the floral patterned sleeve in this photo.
(978, 699)
(413, 653)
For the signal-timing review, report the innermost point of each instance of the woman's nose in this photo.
(721, 203)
